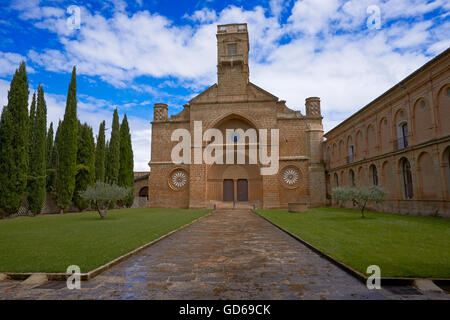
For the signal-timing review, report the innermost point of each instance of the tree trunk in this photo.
(102, 213)
(362, 209)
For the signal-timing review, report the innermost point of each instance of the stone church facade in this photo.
(236, 103)
(400, 141)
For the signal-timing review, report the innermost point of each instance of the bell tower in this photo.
(232, 59)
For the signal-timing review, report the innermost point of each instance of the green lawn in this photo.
(51, 243)
(403, 246)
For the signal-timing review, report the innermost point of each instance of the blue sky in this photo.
(133, 54)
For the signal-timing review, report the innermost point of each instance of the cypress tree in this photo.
(85, 164)
(52, 170)
(51, 174)
(38, 163)
(32, 116)
(67, 148)
(126, 175)
(14, 135)
(113, 160)
(100, 154)
(30, 139)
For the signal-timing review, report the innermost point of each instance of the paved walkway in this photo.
(231, 254)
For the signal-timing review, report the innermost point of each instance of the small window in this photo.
(232, 49)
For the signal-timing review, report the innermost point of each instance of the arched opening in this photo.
(424, 128)
(341, 152)
(351, 175)
(143, 192)
(359, 150)
(334, 155)
(360, 178)
(407, 179)
(387, 177)
(429, 176)
(444, 109)
(374, 174)
(328, 185)
(237, 181)
(446, 165)
(351, 150)
(385, 136)
(336, 180)
(371, 141)
(402, 134)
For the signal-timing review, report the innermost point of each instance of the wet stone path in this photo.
(231, 254)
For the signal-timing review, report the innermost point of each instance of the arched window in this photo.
(402, 141)
(336, 180)
(351, 153)
(352, 177)
(374, 174)
(407, 179)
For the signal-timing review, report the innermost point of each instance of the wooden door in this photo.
(228, 190)
(242, 190)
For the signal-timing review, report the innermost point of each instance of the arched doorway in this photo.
(143, 193)
(238, 181)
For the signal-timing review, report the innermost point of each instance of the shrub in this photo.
(102, 194)
(359, 195)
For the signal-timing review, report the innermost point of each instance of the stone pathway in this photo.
(231, 254)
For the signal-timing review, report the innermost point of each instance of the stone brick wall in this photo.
(422, 102)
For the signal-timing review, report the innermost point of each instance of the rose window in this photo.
(290, 177)
(178, 179)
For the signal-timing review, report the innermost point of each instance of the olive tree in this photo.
(102, 194)
(359, 195)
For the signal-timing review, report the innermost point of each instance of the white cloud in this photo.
(204, 15)
(347, 70)
(276, 7)
(4, 87)
(312, 16)
(407, 36)
(9, 62)
(31, 10)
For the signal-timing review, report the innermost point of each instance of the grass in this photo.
(51, 243)
(402, 246)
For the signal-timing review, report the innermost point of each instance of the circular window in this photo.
(290, 176)
(178, 179)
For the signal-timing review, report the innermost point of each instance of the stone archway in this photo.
(234, 182)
